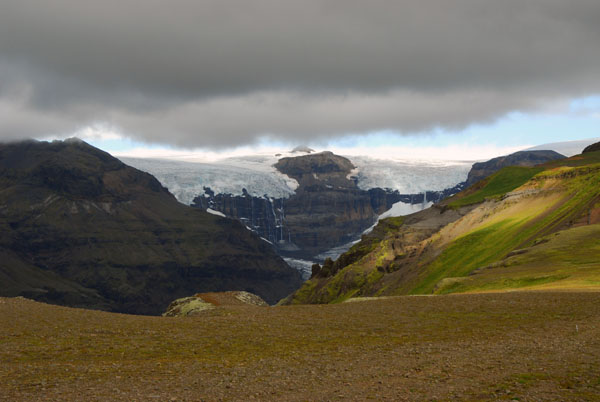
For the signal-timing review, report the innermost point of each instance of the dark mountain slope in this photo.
(481, 170)
(79, 227)
(592, 148)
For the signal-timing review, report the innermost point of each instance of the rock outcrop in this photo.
(80, 228)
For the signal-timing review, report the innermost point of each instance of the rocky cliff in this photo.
(80, 228)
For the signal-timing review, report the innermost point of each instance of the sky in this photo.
(427, 78)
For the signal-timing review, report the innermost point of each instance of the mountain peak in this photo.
(302, 148)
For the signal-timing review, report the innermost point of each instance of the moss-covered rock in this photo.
(187, 306)
(200, 302)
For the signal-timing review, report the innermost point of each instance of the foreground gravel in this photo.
(513, 346)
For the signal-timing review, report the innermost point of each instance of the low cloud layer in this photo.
(221, 73)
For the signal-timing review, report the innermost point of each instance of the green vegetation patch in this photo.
(473, 250)
(498, 184)
(568, 259)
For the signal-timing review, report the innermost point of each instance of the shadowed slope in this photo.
(81, 228)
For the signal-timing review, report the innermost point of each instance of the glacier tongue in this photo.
(186, 180)
(409, 176)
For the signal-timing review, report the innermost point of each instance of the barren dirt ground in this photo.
(513, 346)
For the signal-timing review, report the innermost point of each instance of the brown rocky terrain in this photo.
(537, 346)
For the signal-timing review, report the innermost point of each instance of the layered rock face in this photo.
(80, 228)
(328, 207)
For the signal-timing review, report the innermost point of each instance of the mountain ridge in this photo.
(94, 232)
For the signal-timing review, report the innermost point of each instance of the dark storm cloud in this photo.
(225, 72)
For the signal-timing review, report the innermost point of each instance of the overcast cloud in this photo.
(221, 73)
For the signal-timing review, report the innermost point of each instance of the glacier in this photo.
(255, 173)
(186, 180)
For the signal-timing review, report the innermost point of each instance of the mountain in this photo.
(327, 210)
(81, 228)
(567, 148)
(252, 189)
(520, 228)
(592, 148)
(481, 170)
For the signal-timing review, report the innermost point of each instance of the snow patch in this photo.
(212, 211)
(400, 209)
(262, 238)
(303, 266)
(353, 174)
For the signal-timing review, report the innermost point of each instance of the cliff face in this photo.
(327, 210)
(328, 207)
(80, 228)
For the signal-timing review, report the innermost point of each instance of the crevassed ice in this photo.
(409, 176)
(257, 175)
(186, 180)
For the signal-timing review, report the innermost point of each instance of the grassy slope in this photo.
(553, 197)
(491, 243)
(505, 180)
(549, 264)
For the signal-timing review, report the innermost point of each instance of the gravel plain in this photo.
(509, 346)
